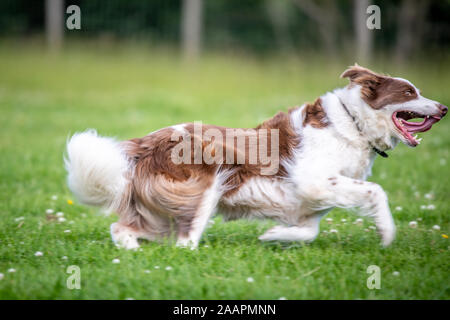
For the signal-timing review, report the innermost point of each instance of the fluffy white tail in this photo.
(96, 169)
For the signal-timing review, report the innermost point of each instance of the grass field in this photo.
(128, 93)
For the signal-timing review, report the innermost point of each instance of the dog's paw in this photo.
(293, 233)
(122, 237)
(186, 243)
(387, 235)
(271, 234)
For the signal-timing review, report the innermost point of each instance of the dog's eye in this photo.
(408, 92)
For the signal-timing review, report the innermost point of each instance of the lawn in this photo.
(128, 93)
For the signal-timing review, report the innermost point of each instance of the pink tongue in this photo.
(420, 126)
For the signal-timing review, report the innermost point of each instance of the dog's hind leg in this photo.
(137, 222)
(125, 234)
(191, 227)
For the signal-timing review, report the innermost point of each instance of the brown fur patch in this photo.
(378, 90)
(315, 115)
(288, 141)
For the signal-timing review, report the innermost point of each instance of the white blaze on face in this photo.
(420, 105)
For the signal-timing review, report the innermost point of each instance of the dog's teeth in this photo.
(419, 140)
(416, 137)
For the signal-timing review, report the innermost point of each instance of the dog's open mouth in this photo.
(407, 128)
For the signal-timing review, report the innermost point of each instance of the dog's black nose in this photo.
(443, 109)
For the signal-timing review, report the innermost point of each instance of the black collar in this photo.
(381, 153)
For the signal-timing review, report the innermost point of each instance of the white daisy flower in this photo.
(398, 208)
(423, 207)
(413, 224)
(328, 220)
(11, 270)
(250, 279)
(396, 273)
(64, 257)
(61, 219)
(147, 271)
(372, 227)
(343, 220)
(168, 268)
(115, 261)
(429, 195)
(54, 197)
(333, 231)
(156, 267)
(436, 227)
(431, 207)
(49, 211)
(2, 276)
(38, 254)
(67, 231)
(60, 214)
(282, 298)
(359, 221)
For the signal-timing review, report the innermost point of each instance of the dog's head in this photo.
(397, 100)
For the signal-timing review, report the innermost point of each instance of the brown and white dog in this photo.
(320, 156)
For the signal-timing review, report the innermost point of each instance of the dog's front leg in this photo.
(344, 192)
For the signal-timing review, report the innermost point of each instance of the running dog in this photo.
(318, 157)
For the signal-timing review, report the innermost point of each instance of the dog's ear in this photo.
(367, 79)
(356, 72)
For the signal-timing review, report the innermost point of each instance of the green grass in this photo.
(128, 93)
